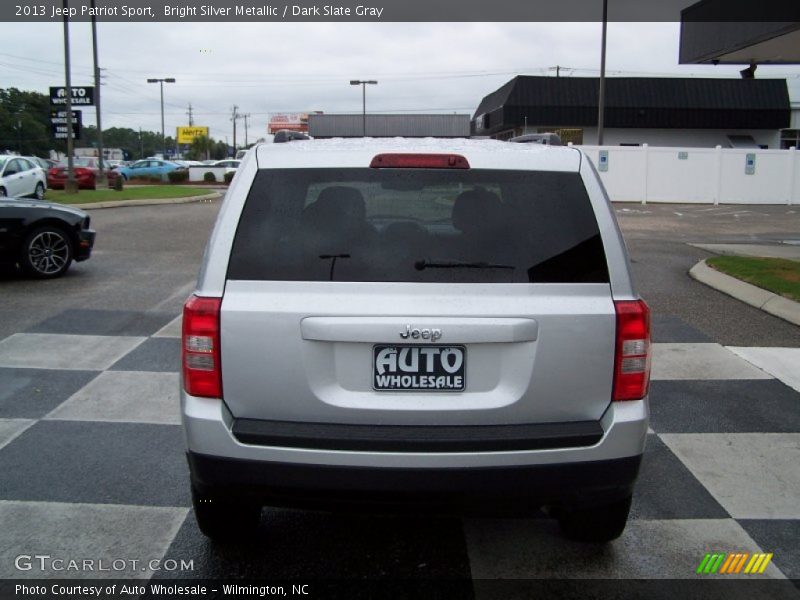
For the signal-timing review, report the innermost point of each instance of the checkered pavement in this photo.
(92, 466)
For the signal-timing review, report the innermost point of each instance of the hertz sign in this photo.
(186, 135)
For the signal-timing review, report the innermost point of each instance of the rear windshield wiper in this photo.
(424, 264)
(332, 258)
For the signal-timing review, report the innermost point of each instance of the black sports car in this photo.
(42, 237)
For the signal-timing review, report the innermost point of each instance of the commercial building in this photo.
(667, 111)
(353, 125)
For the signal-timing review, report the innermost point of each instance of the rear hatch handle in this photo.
(419, 330)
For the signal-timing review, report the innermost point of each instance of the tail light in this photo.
(632, 357)
(419, 161)
(202, 374)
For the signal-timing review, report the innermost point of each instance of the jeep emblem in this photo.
(425, 334)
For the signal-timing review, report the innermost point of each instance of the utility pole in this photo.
(102, 180)
(71, 186)
(245, 117)
(189, 112)
(141, 144)
(558, 71)
(234, 116)
(601, 103)
(19, 132)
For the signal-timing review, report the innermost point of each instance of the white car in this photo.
(230, 164)
(21, 177)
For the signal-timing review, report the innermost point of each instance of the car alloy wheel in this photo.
(2, 192)
(48, 253)
(39, 193)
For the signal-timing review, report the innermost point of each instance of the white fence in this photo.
(197, 173)
(699, 175)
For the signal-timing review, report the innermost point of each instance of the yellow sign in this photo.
(186, 135)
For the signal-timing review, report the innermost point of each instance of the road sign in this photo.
(81, 95)
(58, 124)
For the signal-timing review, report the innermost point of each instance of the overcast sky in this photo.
(297, 67)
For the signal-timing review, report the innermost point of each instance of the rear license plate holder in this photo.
(419, 368)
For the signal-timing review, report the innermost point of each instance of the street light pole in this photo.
(71, 186)
(161, 83)
(363, 85)
(102, 181)
(601, 101)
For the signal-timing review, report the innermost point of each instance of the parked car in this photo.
(427, 323)
(43, 238)
(44, 163)
(19, 176)
(150, 167)
(86, 169)
(230, 164)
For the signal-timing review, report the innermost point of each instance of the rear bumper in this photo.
(487, 491)
(303, 476)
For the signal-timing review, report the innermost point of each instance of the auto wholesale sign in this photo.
(186, 135)
(58, 124)
(81, 96)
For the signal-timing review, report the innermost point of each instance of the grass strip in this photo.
(777, 275)
(150, 192)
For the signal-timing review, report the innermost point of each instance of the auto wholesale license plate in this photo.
(431, 368)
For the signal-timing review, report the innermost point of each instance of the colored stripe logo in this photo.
(723, 563)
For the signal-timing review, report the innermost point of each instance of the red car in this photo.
(86, 169)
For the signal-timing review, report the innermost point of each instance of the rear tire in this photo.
(3, 193)
(225, 519)
(597, 523)
(39, 192)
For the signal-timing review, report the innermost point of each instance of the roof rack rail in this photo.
(547, 139)
(287, 135)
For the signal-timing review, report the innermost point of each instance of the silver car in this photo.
(445, 325)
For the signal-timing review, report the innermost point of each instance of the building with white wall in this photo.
(790, 137)
(669, 111)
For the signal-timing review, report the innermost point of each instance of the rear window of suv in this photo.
(418, 225)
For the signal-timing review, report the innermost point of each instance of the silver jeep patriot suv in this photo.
(446, 325)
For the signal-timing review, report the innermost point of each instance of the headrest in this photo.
(476, 209)
(338, 204)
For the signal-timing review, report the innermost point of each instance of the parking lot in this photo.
(91, 452)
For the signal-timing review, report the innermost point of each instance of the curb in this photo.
(778, 306)
(147, 202)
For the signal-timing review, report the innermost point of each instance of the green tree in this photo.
(25, 128)
(201, 148)
(219, 150)
(25, 123)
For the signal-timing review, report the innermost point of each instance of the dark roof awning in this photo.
(712, 33)
(638, 102)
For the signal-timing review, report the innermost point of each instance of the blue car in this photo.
(149, 167)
